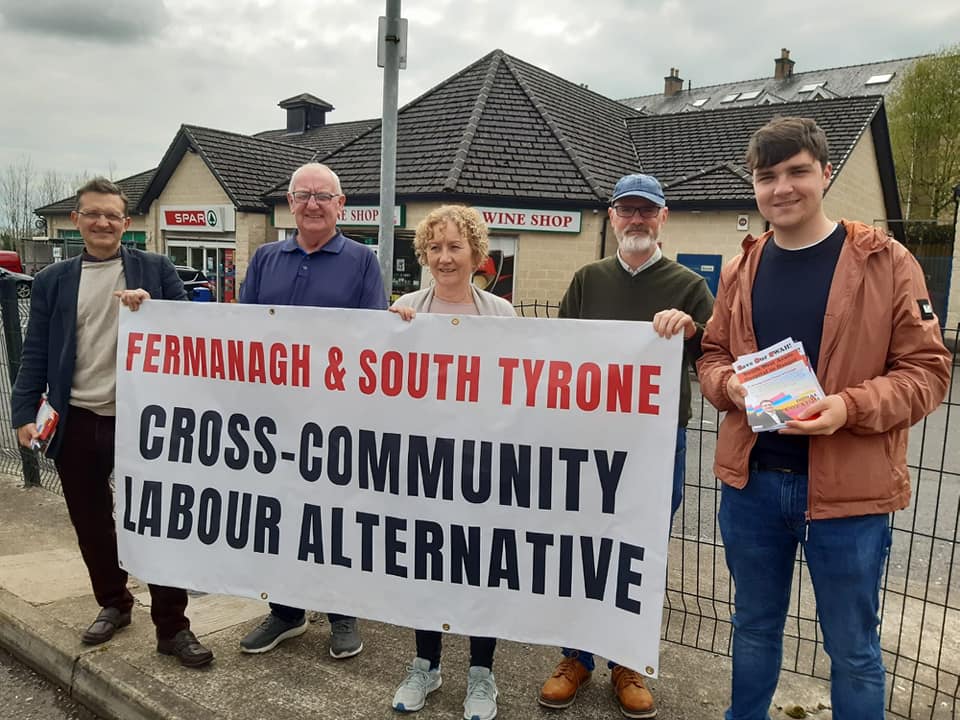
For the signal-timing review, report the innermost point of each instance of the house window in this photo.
(730, 98)
(811, 87)
(879, 79)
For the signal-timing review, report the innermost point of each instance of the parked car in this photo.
(9, 260)
(24, 282)
(193, 279)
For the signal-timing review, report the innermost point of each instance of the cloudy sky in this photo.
(101, 86)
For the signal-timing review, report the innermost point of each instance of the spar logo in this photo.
(211, 218)
(191, 218)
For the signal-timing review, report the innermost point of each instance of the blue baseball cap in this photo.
(639, 185)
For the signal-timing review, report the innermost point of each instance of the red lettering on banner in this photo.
(559, 374)
(508, 365)
(395, 373)
(280, 364)
(647, 388)
(532, 370)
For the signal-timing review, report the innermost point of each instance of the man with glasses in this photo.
(70, 352)
(637, 283)
(319, 267)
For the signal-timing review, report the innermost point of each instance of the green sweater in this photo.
(603, 290)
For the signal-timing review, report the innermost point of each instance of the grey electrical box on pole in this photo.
(391, 47)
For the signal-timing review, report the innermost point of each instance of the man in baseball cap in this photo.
(636, 283)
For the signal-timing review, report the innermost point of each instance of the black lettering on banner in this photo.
(393, 545)
(267, 525)
(514, 475)
(574, 458)
(127, 504)
(150, 508)
(336, 542)
(151, 448)
(540, 542)
(311, 535)
(595, 568)
(609, 477)
(264, 459)
(433, 469)
(427, 544)
(339, 456)
(627, 577)
(382, 466)
(565, 588)
(208, 516)
(480, 493)
(546, 478)
(238, 519)
(211, 428)
(311, 437)
(180, 522)
(182, 425)
(238, 456)
(465, 555)
(367, 522)
(504, 564)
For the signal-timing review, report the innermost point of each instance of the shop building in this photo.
(539, 155)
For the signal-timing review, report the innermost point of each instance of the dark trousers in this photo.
(430, 645)
(84, 463)
(295, 615)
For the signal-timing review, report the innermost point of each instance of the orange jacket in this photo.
(887, 363)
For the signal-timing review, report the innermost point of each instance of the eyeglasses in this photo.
(303, 196)
(647, 211)
(109, 217)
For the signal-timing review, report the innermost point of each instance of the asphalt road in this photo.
(24, 695)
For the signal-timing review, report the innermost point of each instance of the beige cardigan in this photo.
(486, 303)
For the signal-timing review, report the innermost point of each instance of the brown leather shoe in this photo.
(560, 690)
(632, 694)
(185, 646)
(107, 623)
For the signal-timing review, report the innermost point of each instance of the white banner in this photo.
(484, 476)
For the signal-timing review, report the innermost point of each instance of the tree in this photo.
(17, 183)
(924, 116)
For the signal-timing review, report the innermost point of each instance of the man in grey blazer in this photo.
(70, 353)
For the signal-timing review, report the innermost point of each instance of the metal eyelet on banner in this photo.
(272, 311)
(264, 596)
(455, 321)
(446, 627)
(649, 670)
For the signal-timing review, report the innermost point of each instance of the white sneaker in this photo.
(481, 702)
(420, 682)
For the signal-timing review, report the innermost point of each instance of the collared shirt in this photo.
(657, 254)
(342, 274)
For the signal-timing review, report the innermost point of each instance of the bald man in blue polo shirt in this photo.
(319, 267)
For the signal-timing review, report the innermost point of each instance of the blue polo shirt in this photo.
(341, 274)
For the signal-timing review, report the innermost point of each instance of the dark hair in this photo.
(104, 187)
(784, 137)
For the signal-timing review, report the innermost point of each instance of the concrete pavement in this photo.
(46, 602)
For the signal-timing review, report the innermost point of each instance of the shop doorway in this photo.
(218, 263)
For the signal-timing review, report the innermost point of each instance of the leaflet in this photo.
(780, 382)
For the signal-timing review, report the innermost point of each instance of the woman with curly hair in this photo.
(452, 242)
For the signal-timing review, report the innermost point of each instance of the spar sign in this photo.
(198, 218)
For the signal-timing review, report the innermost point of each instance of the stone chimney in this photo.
(305, 112)
(672, 83)
(783, 65)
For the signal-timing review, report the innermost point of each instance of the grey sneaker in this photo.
(420, 682)
(481, 702)
(345, 640)
(270, 633)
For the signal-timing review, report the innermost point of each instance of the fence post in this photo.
(10, 310)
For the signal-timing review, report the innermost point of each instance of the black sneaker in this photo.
(270, 633)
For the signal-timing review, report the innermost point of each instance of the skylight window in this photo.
(700, 103)
(811, 87)
(730, 98)
(879, 79)
(752, 95)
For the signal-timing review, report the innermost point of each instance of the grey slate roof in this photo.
(132, 187)
(848, 81)
(246, 167)
(699, 157)
(324, 139)
(500, 129)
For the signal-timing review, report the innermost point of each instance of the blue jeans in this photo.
(679, 475)
(761, 527)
